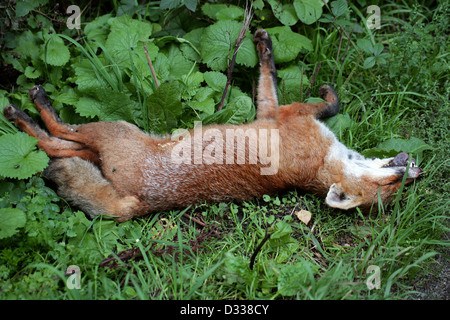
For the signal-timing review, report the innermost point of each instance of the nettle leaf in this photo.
(106, 104)
(125, 39)
(54, 51)
(24, 7)
(215, 80)
(339, 7)
(294, 277)
(19, 157)
(32, 72)
(191, 4)
(222, 11)
(26, 44)
(217, 46)
(86, 77)
(285, 13)
(289, 84)
(11, 219)
(308, 11)
(164, 107)
(237, 270)
(237, 111)
(191, 84)
(190, 48)
(98, 29)
(206, 106)
(169, 4)
(287, 44)
(394, 146)
(339, 123)
(176, 65)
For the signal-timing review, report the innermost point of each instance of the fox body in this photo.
(112, 168)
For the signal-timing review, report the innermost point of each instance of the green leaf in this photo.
(222, 11)
(285, 13)
(215, 80)
(308, 11)
(18, 157)
(86, 76)
(365, 45)
(205, 106)
(24, 7)
(287, 44)
(237, 111)
(55, 52)
(175, 66)
(124, 41)
(10, 220)
(238, 270)
(190, 48)
(339, 123)
(217, 46)
(369, 62)
(106, 104)
(392, 147)
(169, 4)
(191, 4)
(377, 48)
(282, 229)
(98, 29)
(164, 107)
(339, 7)
(192, 83)
(293, 277)
(289, 85)
(27, 43)
(32, 73)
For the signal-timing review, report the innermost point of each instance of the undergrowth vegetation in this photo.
(163, 65)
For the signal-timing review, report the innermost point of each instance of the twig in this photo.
(151, 65)
(258, 248)
(248, 14)
(194, 219)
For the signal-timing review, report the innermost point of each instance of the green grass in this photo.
(206, 252)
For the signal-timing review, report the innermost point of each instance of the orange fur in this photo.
(112, 168)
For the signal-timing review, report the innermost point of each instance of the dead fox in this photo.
(112, 168)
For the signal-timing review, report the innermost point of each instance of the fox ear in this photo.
(338, 198)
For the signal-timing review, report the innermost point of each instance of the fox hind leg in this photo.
(267, 86)
(330, 107)
(54, 147)
(51, 119)
(325, 109)
(82, 184)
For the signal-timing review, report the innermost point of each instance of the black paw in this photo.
(263, 45)
(12, 112)
(37, 92)
(328, 94)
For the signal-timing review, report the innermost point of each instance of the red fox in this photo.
(114, 169)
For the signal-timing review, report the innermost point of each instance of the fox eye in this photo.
(342, 196)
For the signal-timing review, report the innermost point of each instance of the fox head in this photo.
(363, 187)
